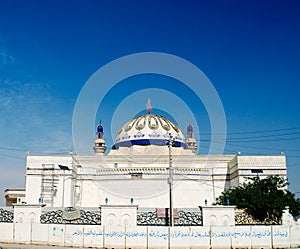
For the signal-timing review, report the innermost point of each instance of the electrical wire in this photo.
(231, 142)
(23, 158)
(257, 131)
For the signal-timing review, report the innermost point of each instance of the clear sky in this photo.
(249, 50)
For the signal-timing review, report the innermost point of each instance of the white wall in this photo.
(91, 191)
(157, 237)
(70, 238)
(6, 232)
(33, 175)
(27, 213)
(22, 233)
(218, 216)
(151, 237)
(40, 234)
(114, 237)
(280, 235)
(199, 237)
(33, 189)
(295, 236)
(186, 193)
(118, 215)
(92, 236)
(240, 237)
(56, 234)
(136, 237)
(261, 236)
(179, 237)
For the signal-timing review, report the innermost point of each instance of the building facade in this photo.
(149, 152)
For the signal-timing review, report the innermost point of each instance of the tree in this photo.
(263, 199)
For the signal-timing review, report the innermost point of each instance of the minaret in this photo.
(191, 141)
(99, 146)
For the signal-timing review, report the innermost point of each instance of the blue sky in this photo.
(249, 50)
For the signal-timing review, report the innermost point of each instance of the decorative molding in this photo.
(242, 218)
(150, 219)
(189, 219)
(81, 218)
(261, 161)
(150, 170)
(184, 219)
(6, 216)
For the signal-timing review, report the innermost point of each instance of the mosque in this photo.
(150, 159)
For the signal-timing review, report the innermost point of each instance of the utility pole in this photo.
(213, 184)
(170, 181)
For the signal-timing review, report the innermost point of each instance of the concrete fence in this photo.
(151, 237)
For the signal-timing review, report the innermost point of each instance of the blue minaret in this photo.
(100, 132)
(99, 146)
(190, 131)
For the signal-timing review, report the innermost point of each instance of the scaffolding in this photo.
(48, 184)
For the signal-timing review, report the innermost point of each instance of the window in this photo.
(256, 171)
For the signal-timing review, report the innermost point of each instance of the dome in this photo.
(149, 129)
(100, 127)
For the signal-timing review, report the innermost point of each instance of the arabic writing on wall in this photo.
(181, 235)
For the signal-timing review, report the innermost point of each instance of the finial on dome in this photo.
(100, 130)
(149, 106)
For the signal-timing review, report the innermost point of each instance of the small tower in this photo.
(191, 141)
(99, 146)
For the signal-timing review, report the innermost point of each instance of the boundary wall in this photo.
(151, 236)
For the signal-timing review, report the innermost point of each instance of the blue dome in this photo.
(100, 128)
(190, 128)
(149, 129)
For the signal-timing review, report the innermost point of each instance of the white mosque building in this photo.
(150, 154)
